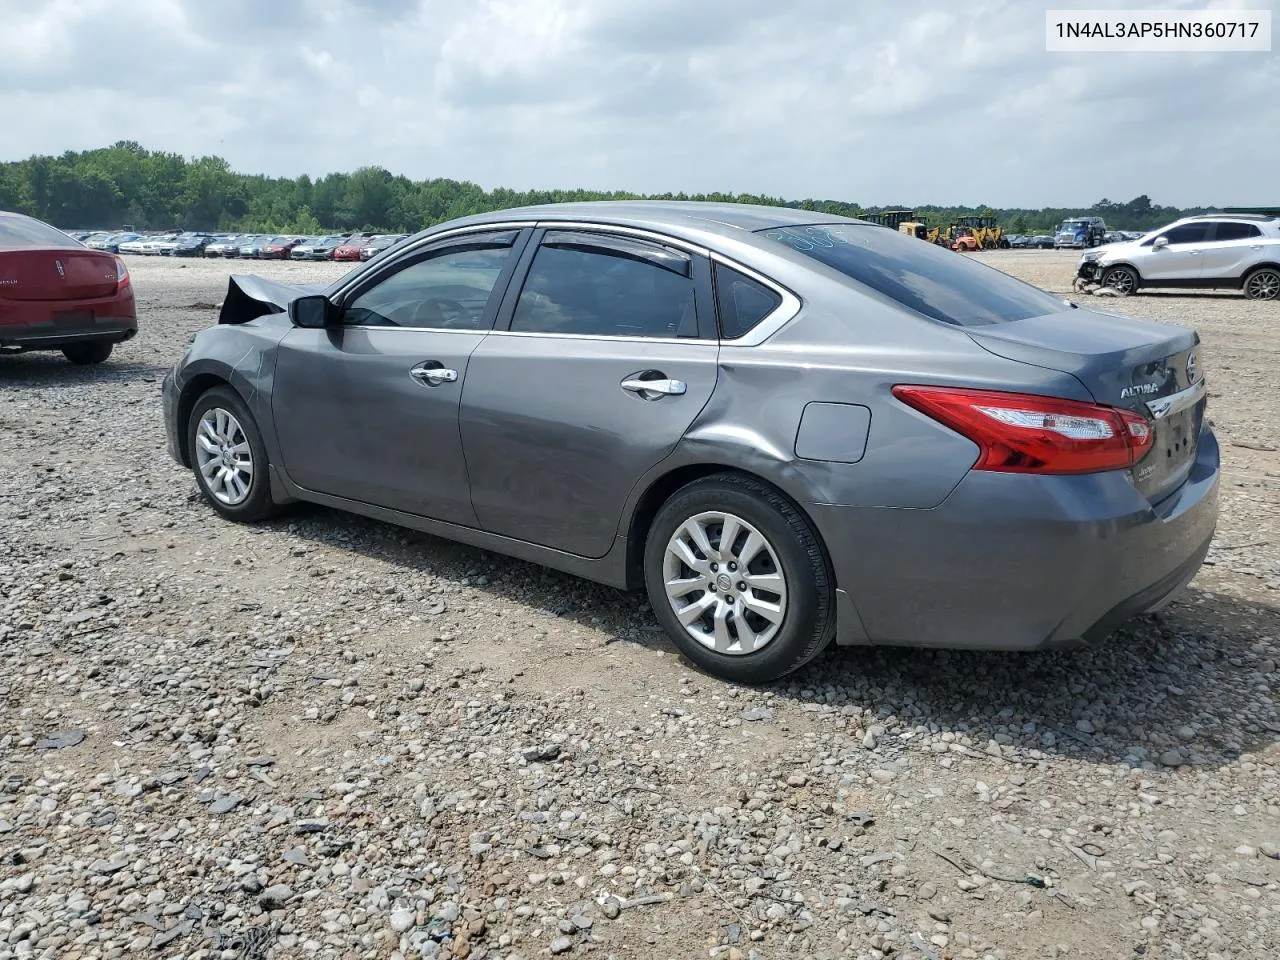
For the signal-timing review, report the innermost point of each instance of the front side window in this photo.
(593, 288)
(1187, 233)
(1236, 231)
(445, 291)
(922, 277)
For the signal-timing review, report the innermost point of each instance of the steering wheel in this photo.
(431, 312)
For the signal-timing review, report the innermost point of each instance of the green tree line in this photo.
(127, 184)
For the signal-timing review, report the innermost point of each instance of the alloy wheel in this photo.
(724, 583)
(1263, 285)
(223, 456)
(1121, 281)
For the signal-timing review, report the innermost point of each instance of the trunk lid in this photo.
(1135, 364)
(57, 274)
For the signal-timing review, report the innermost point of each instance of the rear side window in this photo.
(1236, 231)
(743, 302)
(923, 277)
(25, 232)
(583, 286)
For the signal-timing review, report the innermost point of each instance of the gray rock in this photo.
(275, 897)
(61, 739)
(1172, 758)
(561, 945)
(224, 804)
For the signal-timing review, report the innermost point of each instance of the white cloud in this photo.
(866, 101)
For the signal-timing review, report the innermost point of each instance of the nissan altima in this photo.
(786, 427)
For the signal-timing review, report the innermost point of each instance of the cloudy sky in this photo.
(872, 101)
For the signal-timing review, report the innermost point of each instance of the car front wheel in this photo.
(1123, 280)
(228, 456)
(1263, 284)
(739, 579)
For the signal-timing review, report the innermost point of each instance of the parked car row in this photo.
(349, 247)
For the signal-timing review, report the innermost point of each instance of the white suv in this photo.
(1240, 251)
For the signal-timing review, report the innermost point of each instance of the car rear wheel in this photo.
(1263, 284)
(228, 456)
(1123, 280)
(739, 579)
(83, 354)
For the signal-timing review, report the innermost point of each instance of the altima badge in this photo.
(1139, 390)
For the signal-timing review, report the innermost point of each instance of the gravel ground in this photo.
(329, 737)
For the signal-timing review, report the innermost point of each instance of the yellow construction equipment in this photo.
(917, 227)
(978, 233)
(904, 221)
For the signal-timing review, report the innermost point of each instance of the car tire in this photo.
(798, 618)
(1263, 284)
(1123, 280)
(235, 477)
(84, 354)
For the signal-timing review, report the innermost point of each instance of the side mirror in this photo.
(1160, 243)
(313, 313)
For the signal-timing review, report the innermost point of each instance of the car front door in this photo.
(598, 364)
(1182, 259)
(1234, 247)
(367, 410)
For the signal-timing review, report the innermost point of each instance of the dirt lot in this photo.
(329, 737)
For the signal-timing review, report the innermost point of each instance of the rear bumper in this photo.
(1015, 562)
(45, 335)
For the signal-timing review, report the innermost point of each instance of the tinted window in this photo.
(742, 301)
(25, 232)
(1236, 231)
(448, 291)
(920, 276)
(606, 292)
(1187, 233)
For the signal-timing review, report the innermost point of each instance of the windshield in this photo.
(920, 276)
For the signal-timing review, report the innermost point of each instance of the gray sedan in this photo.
(787, 427)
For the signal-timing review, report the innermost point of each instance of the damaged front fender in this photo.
(251, 297)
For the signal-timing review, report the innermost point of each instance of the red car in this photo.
(351, 249)
(57, 294)
(279, 248)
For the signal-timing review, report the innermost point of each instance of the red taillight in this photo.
(1024, 433)
(122, 276)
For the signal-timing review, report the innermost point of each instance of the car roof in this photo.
(1257, 217)
(665, 214)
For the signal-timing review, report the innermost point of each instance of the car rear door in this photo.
(1182, 260)
(368, 410)
(603, 355)
(1233, 248)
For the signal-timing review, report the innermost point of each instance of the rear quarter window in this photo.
(742, 301)
(922, 277)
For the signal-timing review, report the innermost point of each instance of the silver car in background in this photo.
(787, 427)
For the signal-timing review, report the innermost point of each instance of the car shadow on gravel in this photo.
(1196, 677)
(42, 369)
